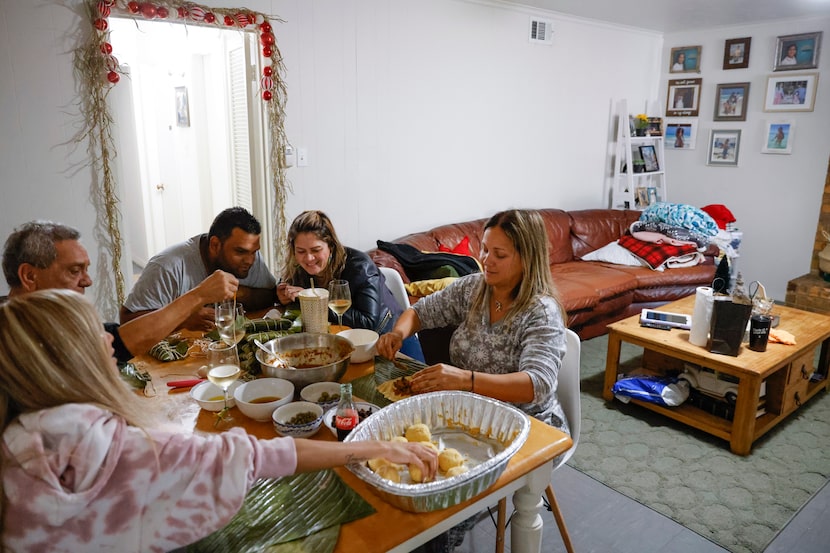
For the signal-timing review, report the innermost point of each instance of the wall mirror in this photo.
(184, 118)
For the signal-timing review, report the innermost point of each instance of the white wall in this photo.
(776, 199)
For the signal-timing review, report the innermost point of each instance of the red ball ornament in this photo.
(182, 11)
(209, 17)
(113, 77)
(197, 13)
(267, 51)
(133, 7)
(103, 8)
(267, 70)
(106, 48)
(265, 27)
(162, 12)
(148, 10)
(266, 95)
(266, 83)
(243, 19)
(111, 62)
(101, 24)
(229, 21)
(267, 39)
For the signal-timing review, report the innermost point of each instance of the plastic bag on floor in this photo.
(668, 392)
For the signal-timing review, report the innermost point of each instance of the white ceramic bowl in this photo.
(361, 406)
(363, 340)
(285, 413)
(209, 396)
(247, 392)
(312, 393)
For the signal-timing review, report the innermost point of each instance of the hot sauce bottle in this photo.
(345, 417)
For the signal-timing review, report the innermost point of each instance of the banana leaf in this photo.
(283, 510)
(133, 376)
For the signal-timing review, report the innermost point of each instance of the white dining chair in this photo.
(568, 393)
(395, 283)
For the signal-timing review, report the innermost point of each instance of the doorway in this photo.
(189, 131)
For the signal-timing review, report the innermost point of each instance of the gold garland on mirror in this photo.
(98, 71)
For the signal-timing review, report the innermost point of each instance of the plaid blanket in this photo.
(652, 253)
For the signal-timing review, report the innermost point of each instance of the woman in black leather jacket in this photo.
(314, 251)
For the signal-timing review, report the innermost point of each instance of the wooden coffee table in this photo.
(787, 370)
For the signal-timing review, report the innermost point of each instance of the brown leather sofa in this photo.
(593, 294)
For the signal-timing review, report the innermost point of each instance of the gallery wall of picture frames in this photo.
(791, 88)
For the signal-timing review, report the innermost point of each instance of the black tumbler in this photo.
(759, 332)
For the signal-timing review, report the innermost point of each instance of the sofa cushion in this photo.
(462, 248)
(592, 229)
(615, 254)
(605, 280)
(558, 227)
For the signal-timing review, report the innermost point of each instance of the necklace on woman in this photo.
(498, 306)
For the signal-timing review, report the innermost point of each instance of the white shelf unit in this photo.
(626, 183)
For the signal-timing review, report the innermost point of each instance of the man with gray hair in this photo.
(41, 254)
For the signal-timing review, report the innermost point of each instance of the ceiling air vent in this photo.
(541, 31)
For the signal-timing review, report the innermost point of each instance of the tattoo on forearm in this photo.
(352, 458)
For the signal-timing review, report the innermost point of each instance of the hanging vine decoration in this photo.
(98, 70)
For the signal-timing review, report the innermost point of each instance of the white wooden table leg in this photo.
(526, 525)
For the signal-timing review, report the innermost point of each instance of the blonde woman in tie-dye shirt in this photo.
(85, 468)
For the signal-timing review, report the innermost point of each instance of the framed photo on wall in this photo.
(793, 52)
(182, 107)
(685, 59)
(650, 158)
(730, 102)
(778, 137)
(681, 133)
(683, 97)
(791, 92)
(736, 53)
(724, 147)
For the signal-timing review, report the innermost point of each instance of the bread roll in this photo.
(418, 433)
(449, 458)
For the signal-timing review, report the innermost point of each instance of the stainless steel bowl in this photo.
(311, 358)
(479, 416)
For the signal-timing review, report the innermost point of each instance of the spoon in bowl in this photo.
(279, 361)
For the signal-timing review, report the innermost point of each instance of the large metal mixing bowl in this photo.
(311, 358)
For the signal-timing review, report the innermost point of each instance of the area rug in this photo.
(740, 503)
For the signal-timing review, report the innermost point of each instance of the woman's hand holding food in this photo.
(441, 377)
(389, 344)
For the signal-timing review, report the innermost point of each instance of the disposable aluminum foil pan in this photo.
(478, 416)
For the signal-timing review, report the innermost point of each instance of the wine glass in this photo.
(230, 321)
(223, 370)
(340, 298)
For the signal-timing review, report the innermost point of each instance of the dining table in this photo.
(389, 528)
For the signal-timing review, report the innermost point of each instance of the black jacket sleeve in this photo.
(371, 298)
(122, 354)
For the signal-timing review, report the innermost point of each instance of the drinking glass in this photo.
(223, 370)
(230, 321)
(340, 298)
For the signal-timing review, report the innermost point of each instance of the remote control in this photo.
(658, 326)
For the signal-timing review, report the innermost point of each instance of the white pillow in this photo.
(614, 253)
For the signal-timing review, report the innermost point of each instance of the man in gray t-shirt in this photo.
(231, 245)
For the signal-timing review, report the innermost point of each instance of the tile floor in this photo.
(601, 520)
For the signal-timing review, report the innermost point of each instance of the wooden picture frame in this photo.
(685, 59)
(683, 97)
(791, 92)
(182, 107)
(724, 147)
(686, 127)
(795, 52)
(778, 137)
(641, 197)
(655, 126)
(736, 53)
(731, 100)
(649, 156)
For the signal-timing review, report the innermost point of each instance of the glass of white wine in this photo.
(340, 298)
(223, 370)
(230, 321)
